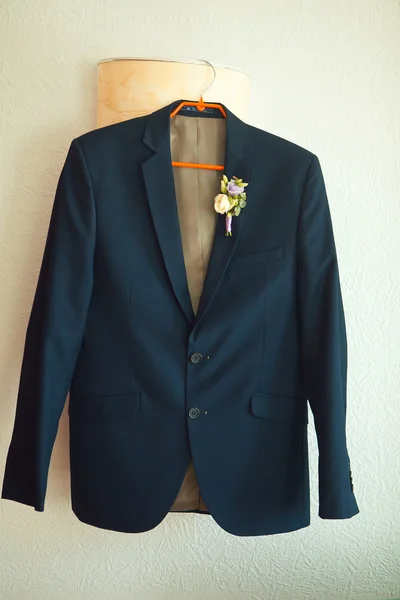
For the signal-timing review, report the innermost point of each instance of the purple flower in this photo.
(234, 189)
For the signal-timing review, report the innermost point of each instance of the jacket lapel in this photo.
(160, 187)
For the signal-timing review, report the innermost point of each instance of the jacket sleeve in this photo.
(54, 333)
(323, 346)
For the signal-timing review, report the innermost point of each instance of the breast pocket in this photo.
(262, 258)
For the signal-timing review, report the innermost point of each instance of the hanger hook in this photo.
(215, 74)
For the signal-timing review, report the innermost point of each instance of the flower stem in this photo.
(228, 225)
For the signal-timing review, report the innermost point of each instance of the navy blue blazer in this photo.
(112, 323)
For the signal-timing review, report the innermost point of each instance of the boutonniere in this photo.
(231, 200)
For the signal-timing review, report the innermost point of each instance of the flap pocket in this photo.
(275, 406)
(255, 257)
(104, 406)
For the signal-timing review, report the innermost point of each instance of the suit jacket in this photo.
(190, 356)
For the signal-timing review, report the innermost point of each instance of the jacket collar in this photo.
(158, 128)
(160, 187)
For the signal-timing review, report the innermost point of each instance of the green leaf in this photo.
(229, 214)
(237, 210)
(223, 188)
(225, 179)
(244, 184)
(242, 203)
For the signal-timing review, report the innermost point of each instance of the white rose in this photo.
(222, 203)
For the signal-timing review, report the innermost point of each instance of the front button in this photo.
(196, 357)
(194, 412)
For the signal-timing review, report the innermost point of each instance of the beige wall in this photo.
(324, 75)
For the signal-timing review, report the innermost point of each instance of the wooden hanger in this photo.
(200, 105)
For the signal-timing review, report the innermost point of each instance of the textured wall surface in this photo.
(324, 75)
